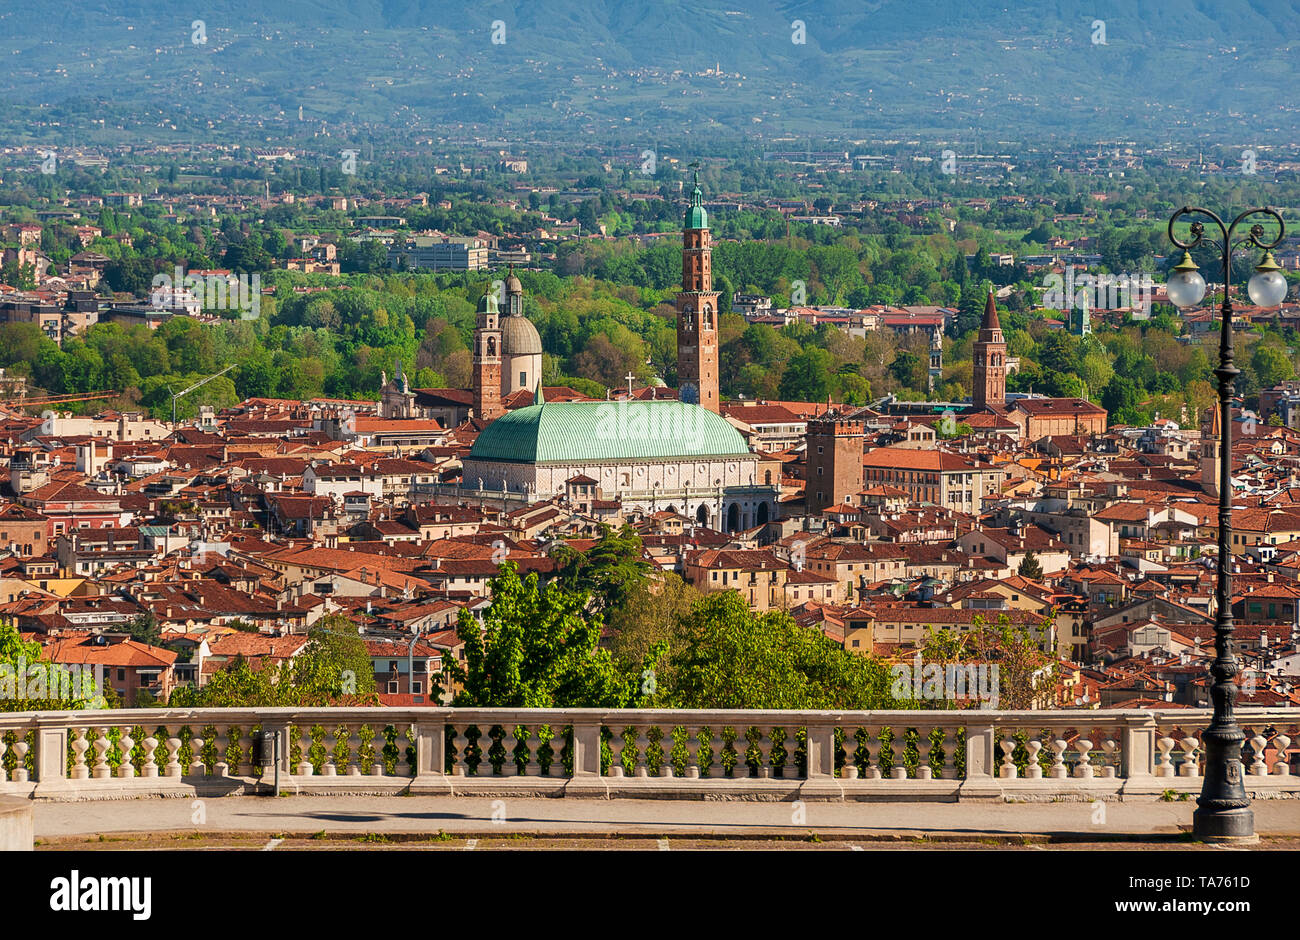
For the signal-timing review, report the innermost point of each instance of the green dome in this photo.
(696, 217)
(578, 432)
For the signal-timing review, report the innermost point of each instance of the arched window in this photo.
(492, 346)
(708, 316)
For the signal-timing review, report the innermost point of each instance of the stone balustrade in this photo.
(716, 754)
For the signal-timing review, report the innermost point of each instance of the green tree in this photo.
(1030, 567)
(733, 657)
(144, 629)
(22, 672)
(332, 669)
(538, 648)
(334, 663)
(808, 376)
(1026, 676)
(610, 571)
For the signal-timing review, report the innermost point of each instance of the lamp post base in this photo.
(1233, 826)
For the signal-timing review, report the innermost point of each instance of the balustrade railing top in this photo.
(958, 753)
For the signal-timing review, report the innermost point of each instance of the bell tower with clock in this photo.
(697, 309)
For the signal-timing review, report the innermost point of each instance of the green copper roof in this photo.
(696, 217)
(574, 432)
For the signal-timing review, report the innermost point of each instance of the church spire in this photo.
(990, 361)
(990, 314)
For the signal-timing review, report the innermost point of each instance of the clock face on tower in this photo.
(689, 393)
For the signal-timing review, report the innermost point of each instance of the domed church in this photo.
(521, 345)
(676, 455)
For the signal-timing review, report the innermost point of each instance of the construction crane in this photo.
(56, 399)
(178, 395)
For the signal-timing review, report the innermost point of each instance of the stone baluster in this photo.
(1109, 747)
(125, 744)
(197, 766)
(850, 769)
(1084, 769)
(1191, 766)
(353, 741)
(331, 741)
(1058, 769)
(4, 748)
(305, 767)
(508, 741)
(1281, 767)
(534, 742)
(948, 745)
(642, 768)
(173, 768)
(1007, 770)
(221, 739)
(244, 742)
(460, 768)
(485, 768)
(695, 756)
(1258, 767)
(666, 746)
(1033, 769)
(20, 768)
(149, 768)
(925, 750)
(79, 747)
(690, 769)
(102, 770)
(616, 747)
(412, 756)
(872, 770)
(1165, 766)
(899, 745)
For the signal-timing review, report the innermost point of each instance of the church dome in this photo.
(513, 286)
(578, 432)
(696, 217)
(519, 337)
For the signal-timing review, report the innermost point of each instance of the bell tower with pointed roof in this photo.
(990, 367)
(487, 359)
(697, 309)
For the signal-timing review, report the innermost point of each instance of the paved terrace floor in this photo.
(395, 819)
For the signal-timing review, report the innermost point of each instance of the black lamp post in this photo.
(1224, 813)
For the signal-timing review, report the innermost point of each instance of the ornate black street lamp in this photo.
(1224, 813)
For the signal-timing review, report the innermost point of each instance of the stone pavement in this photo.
(416, 815)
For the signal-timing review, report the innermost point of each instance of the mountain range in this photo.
(630, 72)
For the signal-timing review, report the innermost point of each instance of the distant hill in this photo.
(636, 71)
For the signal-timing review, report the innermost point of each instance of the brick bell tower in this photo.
(487, 359)
(697, 310)
(990, 372)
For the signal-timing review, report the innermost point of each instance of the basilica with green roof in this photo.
(676, 455)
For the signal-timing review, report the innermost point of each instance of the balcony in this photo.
(745, 755)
